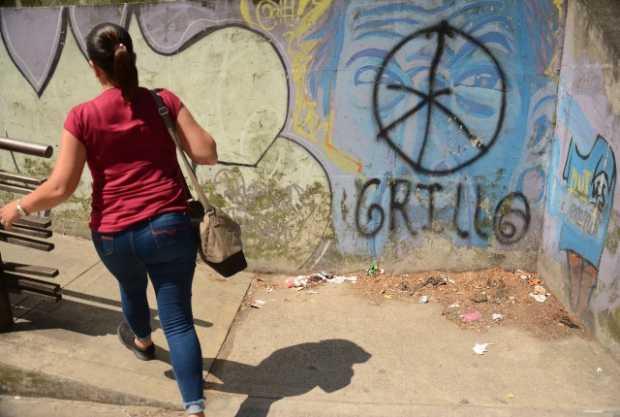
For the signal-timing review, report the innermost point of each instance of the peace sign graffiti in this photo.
(429, 100)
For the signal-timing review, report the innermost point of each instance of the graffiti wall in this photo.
(418, 132)
(582, 229)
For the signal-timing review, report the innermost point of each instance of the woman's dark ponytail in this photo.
(109, 46)
(125, 72)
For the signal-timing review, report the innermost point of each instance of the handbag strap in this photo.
(165, 115)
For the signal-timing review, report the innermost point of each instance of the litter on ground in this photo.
(373, 269)
(532, 282)
(541, 298)
(470, 316)
(568, 322)
(339, 279)
(305, 281)
(539, 289)
(481, 348)
(461, 295)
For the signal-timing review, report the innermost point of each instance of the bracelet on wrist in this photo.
(21, 210)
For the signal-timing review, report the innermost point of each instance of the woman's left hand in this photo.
(9, 214)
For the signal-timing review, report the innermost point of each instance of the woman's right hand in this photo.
(9, 214)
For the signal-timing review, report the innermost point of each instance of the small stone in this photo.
(404, 287)
(434, 282)
(258, 304)
(496, 283)
(568, 322)
(424, 299)
(452, 314)
(541, 298)
(480, 298)
(500, 293)
(532, 282)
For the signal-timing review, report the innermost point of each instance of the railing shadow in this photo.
(287, 372)
(84, 316)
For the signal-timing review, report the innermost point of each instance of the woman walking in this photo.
(139, 221)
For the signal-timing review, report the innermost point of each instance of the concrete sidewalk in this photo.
(340, 353)
(220, 405)
(332, 352)
(70, 349)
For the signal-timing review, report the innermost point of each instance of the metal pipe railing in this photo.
(9, 177)
(23, 233)
(29, 148)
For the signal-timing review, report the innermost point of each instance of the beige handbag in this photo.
(220, 236)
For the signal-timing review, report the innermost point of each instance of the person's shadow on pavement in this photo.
(287, 372)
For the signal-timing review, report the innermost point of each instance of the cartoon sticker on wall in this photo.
(589, 180)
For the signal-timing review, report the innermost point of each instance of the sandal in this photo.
(127, 338)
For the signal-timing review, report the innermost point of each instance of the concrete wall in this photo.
(417, 132)
(582, 225)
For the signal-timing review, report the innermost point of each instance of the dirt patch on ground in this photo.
(474, 300)
(481, 300)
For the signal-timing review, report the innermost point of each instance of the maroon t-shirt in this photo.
(131, 157)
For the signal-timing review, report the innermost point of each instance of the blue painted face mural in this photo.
(424, 92)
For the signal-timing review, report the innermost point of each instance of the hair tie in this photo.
(119, 46)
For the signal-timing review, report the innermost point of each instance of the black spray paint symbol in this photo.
(442, 31)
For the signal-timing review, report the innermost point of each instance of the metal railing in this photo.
(27, 232)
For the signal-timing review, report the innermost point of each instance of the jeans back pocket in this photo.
(104, 244)
(171, 229)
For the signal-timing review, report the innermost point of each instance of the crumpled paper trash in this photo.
(481, 348)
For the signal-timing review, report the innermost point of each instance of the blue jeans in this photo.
(164, 247)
